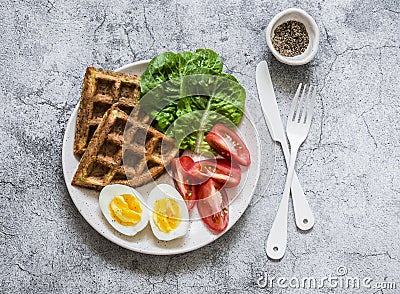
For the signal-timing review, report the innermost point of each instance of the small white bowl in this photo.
(312, 30)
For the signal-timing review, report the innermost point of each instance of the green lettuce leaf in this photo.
(187, 94)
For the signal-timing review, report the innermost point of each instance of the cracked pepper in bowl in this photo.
(290, 38)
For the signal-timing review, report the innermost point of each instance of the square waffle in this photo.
(100, 90)
(146, 152)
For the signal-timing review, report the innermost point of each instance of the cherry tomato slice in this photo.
(213, 206)
(186, 162)
(183, 164)
(223, 171)
(182, 180)
(228, 144)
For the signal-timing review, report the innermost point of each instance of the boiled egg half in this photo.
(169, 216)
(124, 208)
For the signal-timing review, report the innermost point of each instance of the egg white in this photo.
(166, 191)
(105, 198)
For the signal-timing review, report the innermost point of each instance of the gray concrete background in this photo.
(349, 165)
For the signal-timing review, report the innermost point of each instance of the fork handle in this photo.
(303, 214)
(277, 238)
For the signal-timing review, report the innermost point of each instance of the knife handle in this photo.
(303, 215)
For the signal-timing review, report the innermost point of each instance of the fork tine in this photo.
(306, 104)
(300, 105)
(311, 106)
(294, 103)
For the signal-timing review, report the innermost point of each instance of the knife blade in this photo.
(266, 95)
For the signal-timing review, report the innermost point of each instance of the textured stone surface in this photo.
(349, 165)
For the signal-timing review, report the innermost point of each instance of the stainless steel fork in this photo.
(297, 128)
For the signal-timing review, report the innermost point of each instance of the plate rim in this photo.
(121, 244)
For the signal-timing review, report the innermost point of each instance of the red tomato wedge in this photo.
(213, 206)
(228, 144)
(182, 180)
(186, 162)
(220, 170)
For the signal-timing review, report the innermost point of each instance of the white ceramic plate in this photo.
(198, 236)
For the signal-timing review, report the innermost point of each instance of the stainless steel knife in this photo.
(303, 214)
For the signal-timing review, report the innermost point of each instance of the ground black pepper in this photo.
(290, 38)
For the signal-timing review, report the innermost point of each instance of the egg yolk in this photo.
(167, 214)
(126, 209)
